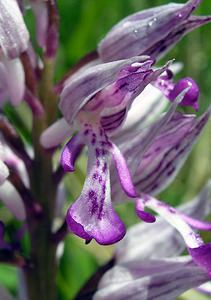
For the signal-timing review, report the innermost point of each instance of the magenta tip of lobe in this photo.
(145, 216)
(191, 96)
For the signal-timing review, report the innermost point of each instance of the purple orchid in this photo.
(140, 272)
(152, 32)
(160, 161)
(97, 101)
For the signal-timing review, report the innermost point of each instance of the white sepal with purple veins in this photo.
(160, 279)
(151, 32)
(163, 156)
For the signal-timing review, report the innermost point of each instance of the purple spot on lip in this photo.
(93, 141)
(100, 213)
(93, 198)
(95, 176)
(104, 167)
(91, 194)
(86, 132)
(98, 163)
(101, 132)
(104, 189)
(97, 152)
(100, 179)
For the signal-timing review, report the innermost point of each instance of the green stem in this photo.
(40, 278)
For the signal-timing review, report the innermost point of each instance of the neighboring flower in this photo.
(97, 101)
(12, 81)
(153, 166)
(8, 193)
(13, 41)
(150, 32)
(147, 268)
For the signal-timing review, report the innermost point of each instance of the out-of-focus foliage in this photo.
(82, 24)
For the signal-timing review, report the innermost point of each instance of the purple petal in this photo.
(13, 32)
(137, 245)
(80, 88)
(92, 214)
(71, 152)
(123, 172)
(148, 32)
(161, 163)
(200, 252)
(143, 215)
(173, 217)
(191, 97)
(163, 279)
(202, 256)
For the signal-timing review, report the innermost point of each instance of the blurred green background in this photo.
(82, 24)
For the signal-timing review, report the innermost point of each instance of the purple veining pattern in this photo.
(153, 32)
(167, 43)
(163, 158)
(168, 152)
(107, 90)
(81, 88)
(92, 214)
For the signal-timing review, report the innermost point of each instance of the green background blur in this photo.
(82, 24)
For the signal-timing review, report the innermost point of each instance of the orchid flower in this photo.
(97, 102)
(13, 41)
(152, 268)
(150, 32)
